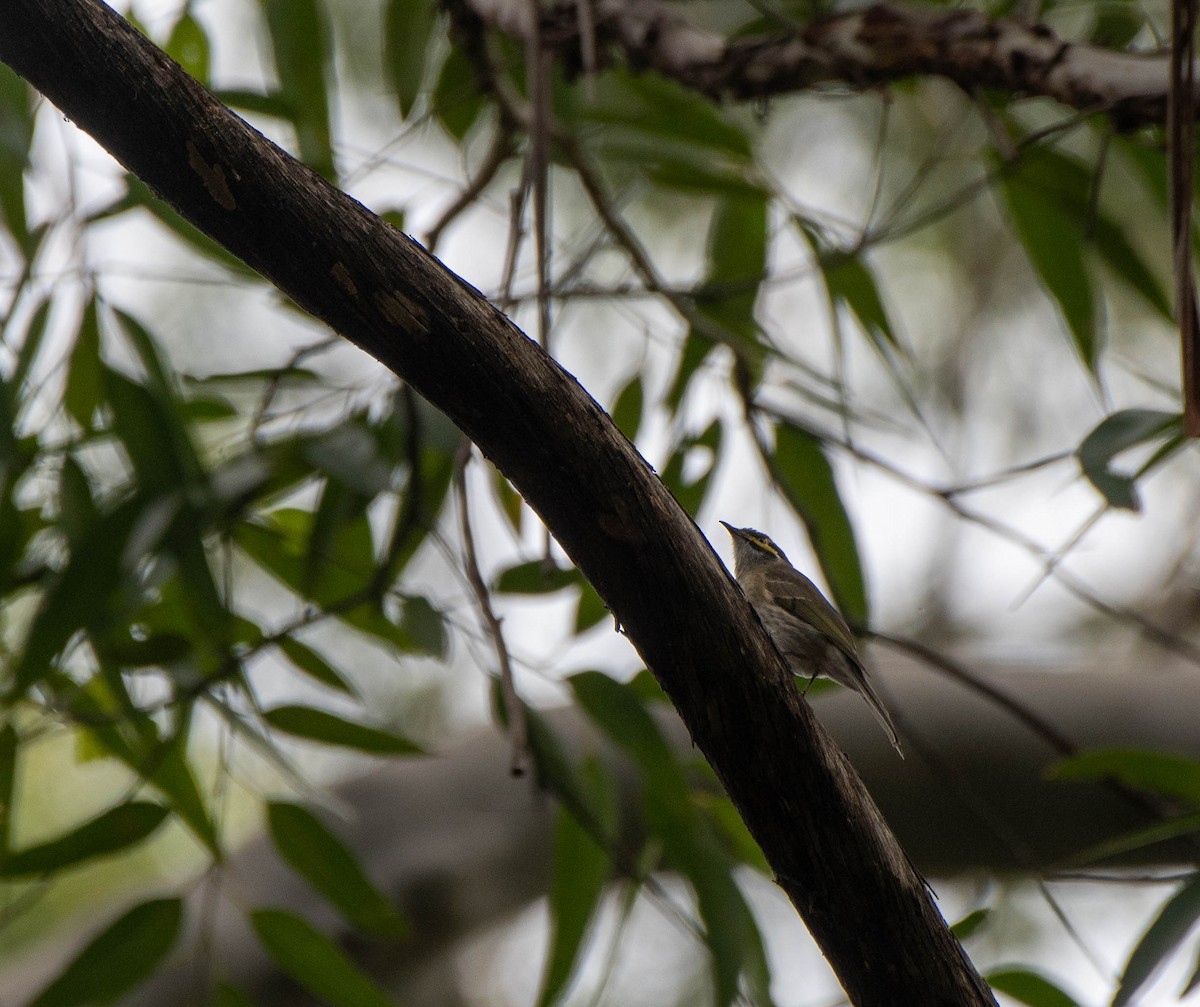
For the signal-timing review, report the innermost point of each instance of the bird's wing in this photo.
(799, 596)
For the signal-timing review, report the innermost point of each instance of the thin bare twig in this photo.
(586, 18)
(537, 71)
(1059, 742)
(1045, 556)
(516, 234)
(500, 151)
(1181, 146)
(518, 727)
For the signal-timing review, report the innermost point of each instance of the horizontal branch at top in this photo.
(871, 46)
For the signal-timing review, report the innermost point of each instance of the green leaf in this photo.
(1069, 182)
(645, 686)
(84, 390)
(408, 37)
(1174, 922)
(120, 958)
(662, 109)
(153, 436)
(230, 996)
(850, 283)
(1148, 159)
(319, 857)
(737, 263)
(972, 923)
(424, 626)
(338, 509)
(281, 545)
(1116, 27)
(77, 509)
(78, 596)
(581, 868)
(206, 410)
(691, 467)
(299, 41)
(804, 475)
(327, 728)
(628, 409)
(1113, 435)
(350, 453)
(733, 828)
(188, 46)
(1150, 835)
(1157, 773)
(618, 711)
(730, 931)
(1123, 259)
(160, 378)
(695, 351)
(590, 610)
(1029, 988)
(16, 137)
(1192, 983)
(114, 830)
(139, 195)
(8, 771)
(271, 104)
(508, 498)
(34, 333)
(456, 101)
(315, 666)
(209, 619)
(369, 619)
(314, 961)
(158, 649)
(670, 134)
(167, 769)
(289, 378)
(1054, 240)
(536, 577)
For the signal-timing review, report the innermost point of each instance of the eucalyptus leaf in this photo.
(300, 44)
(116, 829)
(117, 960)
(1174, 922)
(1027, 987)
(536, 577)
(326, 863)
(330, 729)
(1117, 433)
(314, 665)
(314, 961)
(804, 475)
(581, 867)
(409, 34)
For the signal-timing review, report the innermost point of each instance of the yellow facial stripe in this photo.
(764, 543)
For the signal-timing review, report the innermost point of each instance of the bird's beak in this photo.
(729, 528)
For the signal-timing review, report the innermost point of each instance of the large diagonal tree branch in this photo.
(873, 45)
(819, 829)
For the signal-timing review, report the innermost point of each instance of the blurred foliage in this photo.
(142, 508)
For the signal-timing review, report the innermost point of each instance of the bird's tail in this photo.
(863, 686)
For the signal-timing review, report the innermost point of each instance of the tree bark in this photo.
(823, 836)
(866, 47)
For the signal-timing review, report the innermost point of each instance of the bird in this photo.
(807, 630)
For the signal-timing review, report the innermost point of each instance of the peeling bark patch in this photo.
(341, 276)
(618, 527)
(400, 311)
(213, 177)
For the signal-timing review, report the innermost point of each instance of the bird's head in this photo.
(751, 547)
